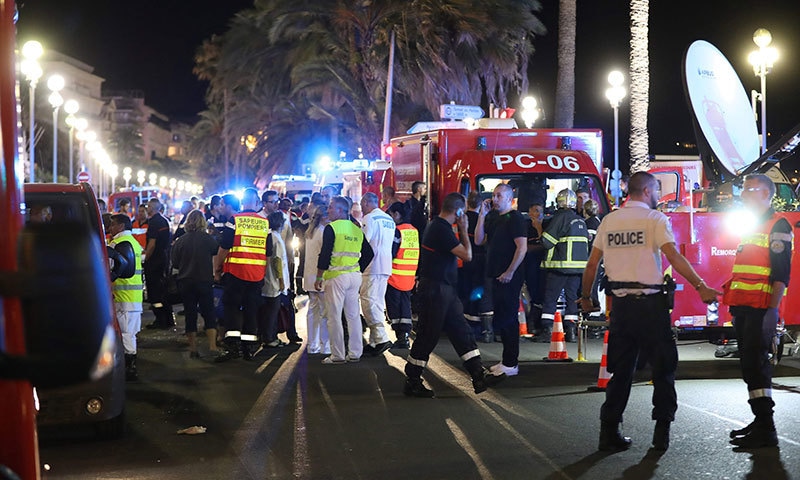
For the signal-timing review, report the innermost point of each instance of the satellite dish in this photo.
(722, 111)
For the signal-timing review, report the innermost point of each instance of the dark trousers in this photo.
(640, 324)
(288, 305)
(754, 346)
(535, 281)
(241, 299)
(155, 277)
(197, 293)
(441, 309)
(398, 309)
(554, 284)
(505, 297)
(268, 319)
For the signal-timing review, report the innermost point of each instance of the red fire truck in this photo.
(43, 267)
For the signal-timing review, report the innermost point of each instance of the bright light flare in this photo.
(741, 222)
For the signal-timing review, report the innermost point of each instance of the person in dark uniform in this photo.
(534, 274)
(630, 241)
(761, 273)
(474, 288)
(440, 306)
(156, 263)
(418, 204)
(505, 235)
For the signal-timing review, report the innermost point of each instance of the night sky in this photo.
(149, 45)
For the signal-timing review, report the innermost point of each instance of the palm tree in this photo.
(565, 88)
(640, 85)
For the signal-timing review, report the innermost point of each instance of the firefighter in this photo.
(761, 273)
(630, 241)
(567, 242)
(343, 255)
(240, 265)
(139, 226)
(440, 308)
(405, 256)
(379, 230)
(127, 291)
(156, 263)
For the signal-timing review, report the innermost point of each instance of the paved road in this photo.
(288, 416)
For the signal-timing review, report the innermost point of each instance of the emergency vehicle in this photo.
(137, 196)
(294, 187)
(43, 266)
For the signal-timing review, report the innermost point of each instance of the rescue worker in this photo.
(440, 308)
(567, 242)
(419, 206)
(240, 265)
(630, 241)
(506, 237)
(343, 255)
(405, 257)
(388, 197)
(127, 291)
(139, 226)
(534, 274)
(379, 231)
(474, 287)
(156, 263)
(761, 273)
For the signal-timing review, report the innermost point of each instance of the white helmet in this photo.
(566, 199)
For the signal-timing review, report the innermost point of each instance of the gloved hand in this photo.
(769, 325)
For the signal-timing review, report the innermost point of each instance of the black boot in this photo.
(415, 388)
(570, 332)
(661, 435)
(742, 431)
(611, 438)
(761, 432)
(232, 348)
(487, 335)
(544, 335)
(402, 341)
(131, 374)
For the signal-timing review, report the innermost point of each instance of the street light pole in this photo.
(31, 51)
(71, 107)
(55, 83)
(762, 61)
(615, 94)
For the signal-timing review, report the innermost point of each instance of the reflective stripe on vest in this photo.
(346, 248)
(749, 285)
(404, 265)
(128, 291)
(247, 258)
(569, 242)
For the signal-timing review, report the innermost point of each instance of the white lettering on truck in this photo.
(526, 160)
(719, 252)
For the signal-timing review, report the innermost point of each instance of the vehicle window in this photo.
(538, 188)
(58, 208)
(668, 182)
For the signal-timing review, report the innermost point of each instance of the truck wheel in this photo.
(112, 428)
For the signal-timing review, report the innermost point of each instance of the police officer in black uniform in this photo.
(631, 241)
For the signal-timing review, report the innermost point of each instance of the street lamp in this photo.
(529, 111)
(31, 51)
(153, 178)
(55, 83)
(81, 124)
(615, 94)
(762, 61)
(140, 175)
(71, 107)
(126, 175)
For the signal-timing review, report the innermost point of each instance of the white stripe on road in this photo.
(264, 365)
(462, 440)
(301, 466)
(730, 420)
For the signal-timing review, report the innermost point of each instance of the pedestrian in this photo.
(186, 207)
(156, 265)
(379, 231)
(343, 256)
(240, 266)
(405, 257)
(124, 207)
(127, 291)
(474, 287)
(275, 284)
(440, 308)
(631, 241)
(193, 257)
(534, 273)
(317, 334)
(761, 272)
(506, 237)
(285, 207)
(566, 240)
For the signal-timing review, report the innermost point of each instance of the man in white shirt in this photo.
(378, 229)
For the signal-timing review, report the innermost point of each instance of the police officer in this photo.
(440, 308)
(567, 242)
(761, 273)
(631, 241)
(240, 265)
(127, 290)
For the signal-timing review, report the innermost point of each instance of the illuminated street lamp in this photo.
(31, 51)
(71, 107)
(153, 178)
(615, 94)
(762, 61)
(55, 83)
(530, 112)
(126, 175)
(81, 124)
(140, 176)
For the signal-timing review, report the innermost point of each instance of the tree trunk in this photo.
(640, 85)
(565, 88)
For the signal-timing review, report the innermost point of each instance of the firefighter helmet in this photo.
(566, 199)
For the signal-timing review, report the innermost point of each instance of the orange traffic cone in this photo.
(558, 346)
(523, 322)
(603, 377)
